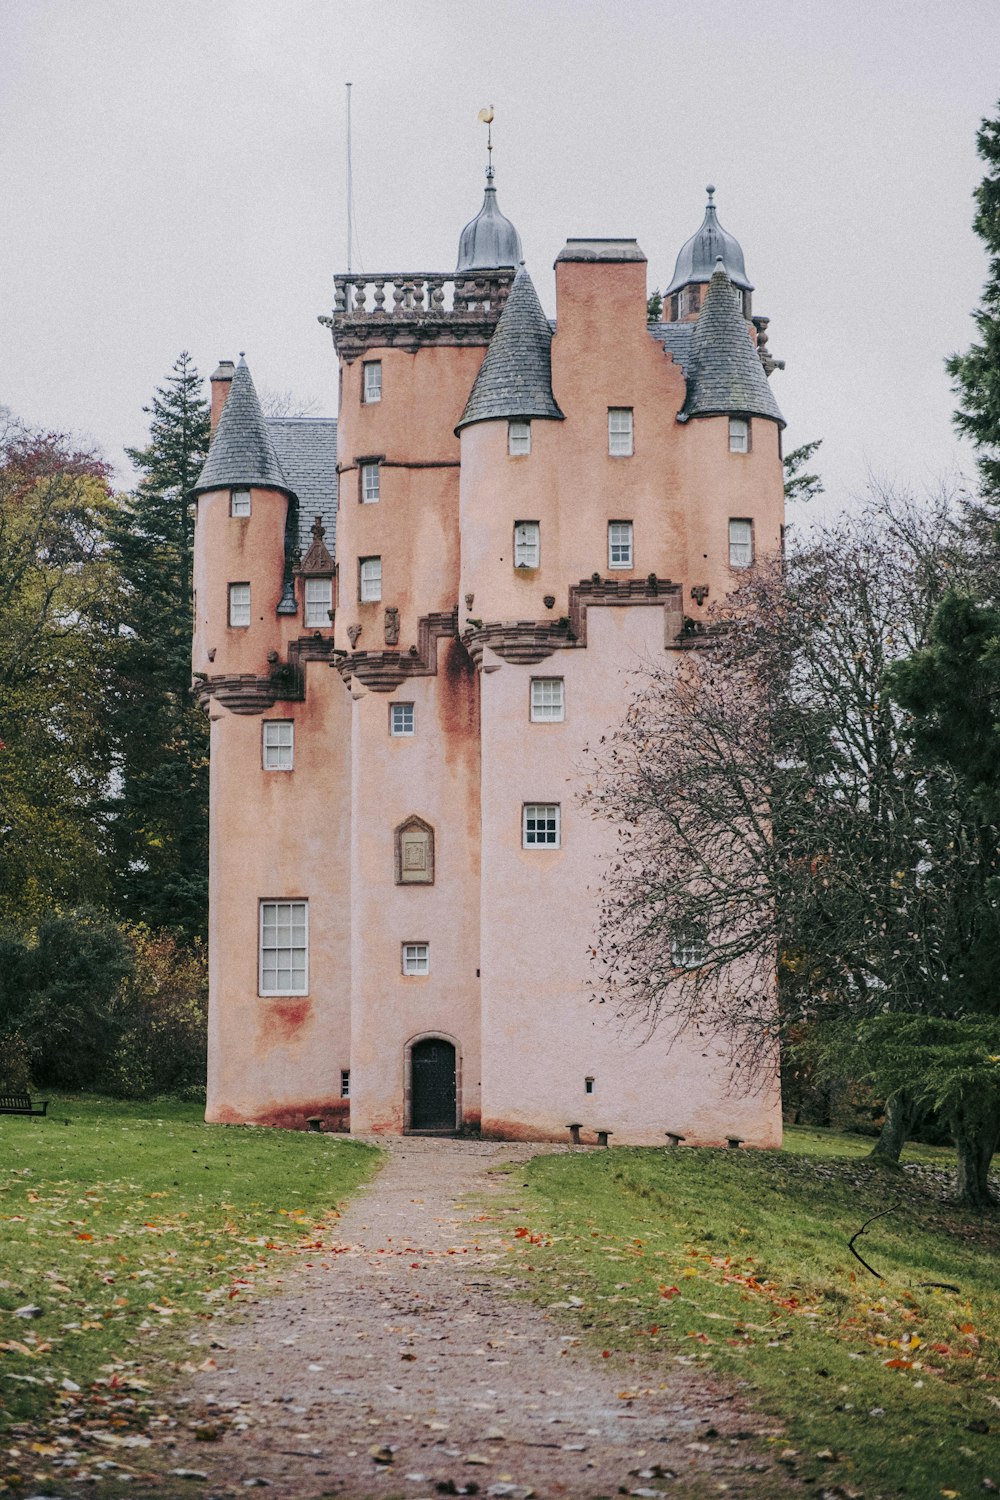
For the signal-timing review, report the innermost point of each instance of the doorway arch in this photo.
(432, 1092)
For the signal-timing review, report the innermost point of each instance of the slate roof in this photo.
(515, 378)
(307, 451)
(724, 372)
(676, 339)
(242, 451)
(698, 255)
(489, 240)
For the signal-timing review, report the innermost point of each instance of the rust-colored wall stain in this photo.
(281, 1021)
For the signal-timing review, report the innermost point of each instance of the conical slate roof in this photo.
(489, 240)
(697, 258)
(242, 453)
(724, 371)
(515, 378)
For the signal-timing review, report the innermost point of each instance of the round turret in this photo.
(489, 240)
(696, 262)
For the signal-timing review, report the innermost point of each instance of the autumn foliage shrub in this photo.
(90, 1004)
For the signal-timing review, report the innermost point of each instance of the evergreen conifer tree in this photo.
(160, 810)
(976, 373)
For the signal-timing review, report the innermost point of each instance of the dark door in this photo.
(433, 1098)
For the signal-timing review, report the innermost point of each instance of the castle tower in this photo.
(405, 894)
(695, 264)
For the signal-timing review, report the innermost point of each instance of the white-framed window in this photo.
(372, 389)
(370, 580)
(620, 544)
(416, 958)
(345, 1083)
(527, 544)
(518, 438)
(739, 435)
(318, 602)
(688, 949)
(548, 700)
(540, 825)
(620, 431)
(279, 744)
(239, 604)
(284, 948)
(371, 484)
(740, 543)
(239, 502)
(400, 720)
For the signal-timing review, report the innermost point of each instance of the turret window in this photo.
(620, 441)
(401, 720)
(239, 502)
(318, 602)
(284, 948)
(740, 544)
(371, 484)
(373, 381)
(239, 604)
(279, 744)
(527, 544)
(739, 435)
(620, 544)
(370, 587)
(518, 439)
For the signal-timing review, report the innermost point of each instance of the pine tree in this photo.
(976, 373)
(160, 812)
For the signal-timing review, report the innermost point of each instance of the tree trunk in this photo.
(976, 1133)
(892, 1137)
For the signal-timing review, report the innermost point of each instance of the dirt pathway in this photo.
(400, 1368)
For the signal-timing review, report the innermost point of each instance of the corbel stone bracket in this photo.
(383, 671)
(250, 693)
(530, 641)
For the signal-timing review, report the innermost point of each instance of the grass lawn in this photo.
(740, 1260)
(127, 1226)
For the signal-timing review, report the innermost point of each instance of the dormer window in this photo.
(739, 435)
(527, 544)
(318, 602)
(518, 439)
(239, 502)
(620, 443)
(372, 390)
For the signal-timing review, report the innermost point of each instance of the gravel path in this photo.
(400, 1367)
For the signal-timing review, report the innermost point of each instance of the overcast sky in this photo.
(174, 177)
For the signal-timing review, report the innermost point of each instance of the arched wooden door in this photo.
(434, 1092)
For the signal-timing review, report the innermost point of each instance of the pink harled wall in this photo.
(280, 835)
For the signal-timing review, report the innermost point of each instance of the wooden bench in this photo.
(20, 1104)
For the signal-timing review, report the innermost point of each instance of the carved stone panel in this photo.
(414, 853)
(392, 626)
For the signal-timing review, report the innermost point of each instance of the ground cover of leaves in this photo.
(123, 1227)
(738, 1261)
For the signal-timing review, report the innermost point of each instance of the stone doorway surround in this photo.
(430, 1036)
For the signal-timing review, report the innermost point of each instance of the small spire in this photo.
(487, 116)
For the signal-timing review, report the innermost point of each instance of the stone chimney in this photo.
(221, 382)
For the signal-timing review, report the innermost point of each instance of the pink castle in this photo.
(409, 622)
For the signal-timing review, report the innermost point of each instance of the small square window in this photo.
(548, 700)
(373, 381)
(518, 438)
(740, 544)
(284, 948)
(318, 602)
(540, 825)
(620, 544)
(688, 949)
(620, 431)
(239, 604)
(739, 435)
(279, 744)
(416, 958)
(370, 588)
(527, 544)
(400, 719)
(345, 1083)
(239, 503)
(371, 486)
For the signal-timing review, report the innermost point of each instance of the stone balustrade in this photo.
(393, 308)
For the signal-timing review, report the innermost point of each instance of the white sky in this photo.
(173, 177)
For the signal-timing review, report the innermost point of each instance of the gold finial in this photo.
(486, 116)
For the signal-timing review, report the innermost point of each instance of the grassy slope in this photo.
(132, 1222)
(741, 1259)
